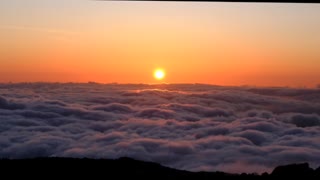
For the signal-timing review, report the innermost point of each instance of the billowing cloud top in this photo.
(185, 126)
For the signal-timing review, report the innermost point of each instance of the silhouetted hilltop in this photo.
(129, 168)
(294, 170)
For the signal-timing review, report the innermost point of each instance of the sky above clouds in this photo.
(263, 44)
(186, 126)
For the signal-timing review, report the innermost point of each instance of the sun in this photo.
(159, 74)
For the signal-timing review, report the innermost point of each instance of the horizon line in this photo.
(155, 84)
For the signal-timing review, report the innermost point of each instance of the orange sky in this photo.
(195, 42)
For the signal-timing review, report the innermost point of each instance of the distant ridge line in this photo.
(128, 167)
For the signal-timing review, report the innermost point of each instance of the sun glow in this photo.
(159, 74)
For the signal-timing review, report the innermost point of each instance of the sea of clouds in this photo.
(186, 126)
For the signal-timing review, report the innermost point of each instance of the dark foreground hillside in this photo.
(46, 168)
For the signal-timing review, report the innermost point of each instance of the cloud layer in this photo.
(185, 126)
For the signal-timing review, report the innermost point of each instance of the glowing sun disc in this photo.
(159, 74)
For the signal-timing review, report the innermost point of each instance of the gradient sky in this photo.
(262, 44)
